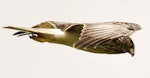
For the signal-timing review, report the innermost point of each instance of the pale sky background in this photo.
(21, 57)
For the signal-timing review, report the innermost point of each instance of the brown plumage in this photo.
(104, 37)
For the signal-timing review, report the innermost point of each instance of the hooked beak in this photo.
(131, 51)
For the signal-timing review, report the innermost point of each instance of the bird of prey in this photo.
(103, 37)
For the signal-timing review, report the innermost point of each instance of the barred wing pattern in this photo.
(95, 34)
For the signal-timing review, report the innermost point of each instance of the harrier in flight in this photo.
(103, 37)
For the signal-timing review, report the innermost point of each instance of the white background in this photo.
(21, 57)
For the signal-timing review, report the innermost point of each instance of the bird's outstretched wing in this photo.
(96, 34)
(42, 28)
(35, 29)
(31, 30)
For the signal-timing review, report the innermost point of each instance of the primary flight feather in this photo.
(104, 37)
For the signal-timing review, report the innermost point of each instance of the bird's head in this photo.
(131, 51)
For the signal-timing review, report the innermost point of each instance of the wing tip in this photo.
(6, 27)
(9, 27)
